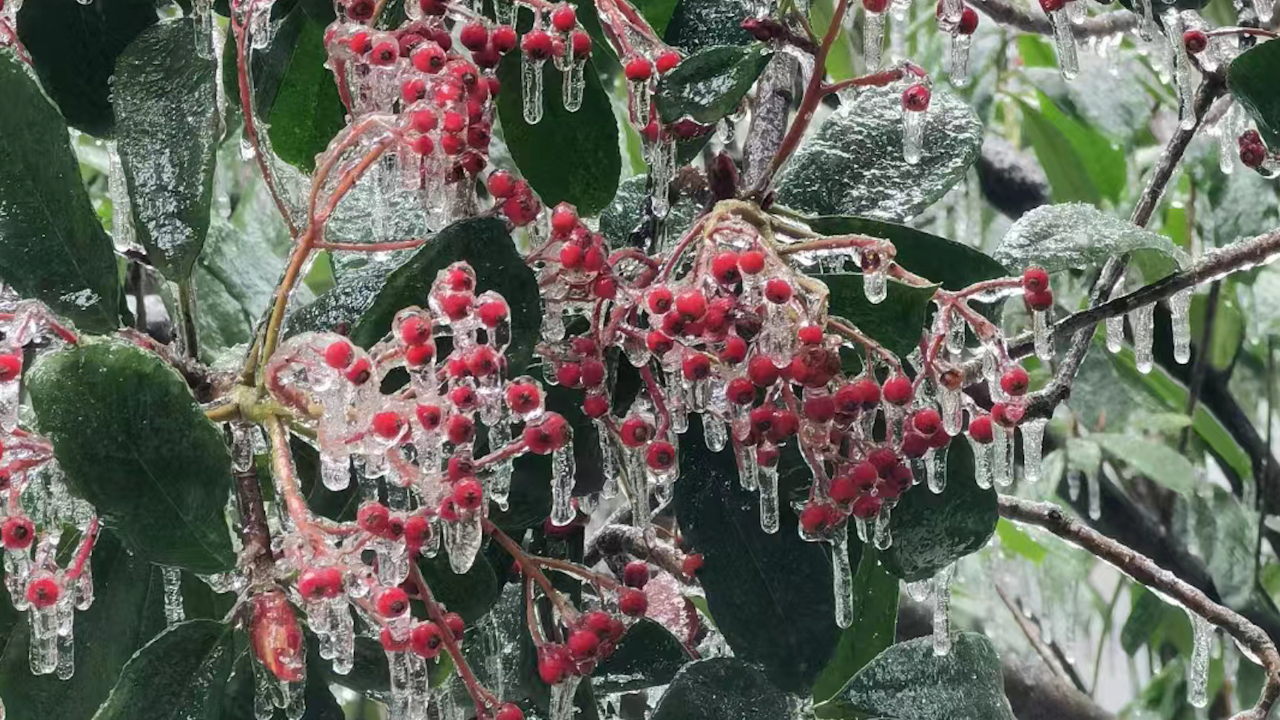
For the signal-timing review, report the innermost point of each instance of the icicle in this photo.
(768, 479)
(123, 233)
(872, 39)
(43, 650)
(1228, 132)
(1180, 310)
(1181, 69)
(1065, 41)
(1147, 27)
(842, 577)
(956, 333)
(919, 590)
(1032, 446)
(1001, 455)
(562, 693)
(562, 482)
(531, 88)
(638, 92)
(499, 484)
(748, 468)
(9, 401)
(942, 610)
(1073, 484)
(1043, 333)
(981, 461)
(952, 410)
(881, 535)
(936, 468)
(960, 44)
(1198, 666)
(912, 135)
(715, 431)
(66, 649)
(610, 464)
(463, 539)
(1142, 321)
(574, 83)
(898, 28)
(1094, 489)
(875, 285)
(343, 639)
(173, 610)
(949, 14)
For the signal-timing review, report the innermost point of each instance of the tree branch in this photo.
(769, 112)
(1019, 18)
(1143, 570)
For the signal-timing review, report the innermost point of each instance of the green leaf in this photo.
(1079, 236)
(721, 688)
(52, 247)
(179, 675)
(1228, 328)
(306, 111)
(909, 682)
(853, 164)
(770, 593)
(700, 24)
(568, 157)
(657, 13)
(647, 655)
(875, 619)
(166, 132)
(74, 47)
(710, 84)
(1082, 164)
(840, 64)
(896, 323)
(470, 594)
(626, 211)
(134, 443)
(485, 244)
(1226, 537)
(1154, 459)
(127, 611)
(1151, 621)
(1252, 80)
(1013, 539)
(931, 531)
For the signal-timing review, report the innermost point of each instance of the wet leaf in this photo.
(875, 619)
(896, 323)
(153, 466)
(74, 46)
(721, 688)
(647, 655)
(1081, 163)
(1152, 458)
(710, 85)
(909, 682)
(470, 594)
(853, 164)
(166, 133)
(700, 24)
(181, 674)
(1252, 80)
(52, 247)
(931, 531)
(1226, 538)
(625, 212)
(305, 112)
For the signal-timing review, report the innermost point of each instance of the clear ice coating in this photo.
(842, 577)
(1142, 321)
(881, 535)
(1032, 446)
(1198, 666)
(960, 44)
(1180, 313)
(872, 39)
(912, 135)
(173, 610)
(982, 471)
(936, 469)
(1264, 9)
(768, 479)
(1182, 76)
(949, 14)
(562, 482)
(1093, 487)
(1041, 329)
(1065, 42)
(942, 610)
(1001, 455)
(561, 706)
(531, 88)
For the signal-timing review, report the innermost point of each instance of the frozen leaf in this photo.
(875, 618)
(1079, 236)
(1014, 540)
(1251, 78)
(1226, 537)
(625, 213)
(897, 323)
(52, 247)
(1081, 163)
(153, 466)
(1152, 458)
(305, 112)
(74, 46)
(908, 682)
(721, 688)
(701, 24)
(469, 594)
(1115, 103)
(647, 655)
(933, 530)
(709, 85)
(853, 164)
(180, 674)
(166, 130)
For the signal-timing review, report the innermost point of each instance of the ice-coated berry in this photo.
(338, 355)
(392, 602)
(320, 582)
(660, 456)
(468, 494)
(762, 371)
(632, 602)
(1195, 41)
(916, 98)
(583, 644)
(426, 639)
(777, 291)
(17, 532)
(980, 429)
(638, 69)
(691, 565)
(927, 421)
(1035, 279)
(43, 592)
(373, 518)
(509, 711)
(388, 425)
(1015, 381)
(635, 574)
(898, 391)
(554, 663)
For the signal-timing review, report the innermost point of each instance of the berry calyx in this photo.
(392, 602)
(1015, 381)
(635, 574)
(632, 602)
(916, 98)
(898, 390)
(638, 69)
(43, 592)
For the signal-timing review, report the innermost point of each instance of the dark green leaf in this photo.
(127, 611)
(721, 688)
(647, 655)
(1082, 164)
(1252, 79)
(166, 128)
(74, 47)
(770, 594)
(896, 323)
(931, 531)
(700, 24)
(1148, 616)
(179, 675)
(875, 618)
(568, 157)
(134, 443)
(52, 247)
(657, 13)
(853, 164)
(306, 111)
(625, 213)
(709, 85)
(341, 505)
(909, 682)
(470, 594)
(237, 702)
(485, 244)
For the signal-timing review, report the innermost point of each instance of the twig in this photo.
(1145, 571)
(254, 530)
(1009, 14)
(768, 117)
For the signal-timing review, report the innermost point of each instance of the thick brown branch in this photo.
(1143, 570)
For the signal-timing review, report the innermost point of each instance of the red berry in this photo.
(17, 532)
(373, 518)
(927, 421)
(569, 375)
(724, 267)
(554, 663)
(762, 371)
(735, 350)
(968, 21)
(392, 602)
(592, 372)
(483, 361)
(636, 432)
(458, 468)
(457, 626)
(883, 459)
(595, 406)
(552, 434)
(523, 397)
(322, 582)
(667, 61)
(691, 565)
(429, 416)
(474, 36)
(691, 304)
(817, 518)
(418, 355)
(751, 262)
(583, 644)
(1007, 414)
(43, 592)
(638, 69)
(509, 711)
(504, 38)
(1039, 300)
(501, 184)
(980, 429)
(875, 6)
(635, 574)
(843, 489)
(426, 639)
(493, 313)
(1253, 155)
(660, 456)
(461, 429)
(468, 495)
(867, 393)
(810, 335)
(867, 507)
(916, 98)
(360, 43)
(456, 305)
(1051, 5)
(819, 408)
(563, 18)
(415, 331)
(1195, 40)
(632, 602)
(740, 391)
(1249, 137)
(387, 425)
(537, 45)
(783, 425)
(660, 300)
(564, 218)
(915, 445)
(1035, 279)
(422, 145)
(777, 291)
(337, 355)
(696, 366)
(898, 390)
(417, 530)
(571, 257)
(384, 53)
(1015, 381)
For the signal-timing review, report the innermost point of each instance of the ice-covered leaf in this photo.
(709, 85)
(720, 688)
(1080, 236)
(1226, 537)
(305, 112)
(770, 594)
(1018, 542)
(875, 618)
(1081, 163)
(370, 662)
(1152, 458)
(625, 213)
(74, 46)
(470, 594)
(647, 655)
(931, 531)
(181, 674)
(167, 122)
(853, 164)
(1108, 95)
(127, 611)
(909, 682)
(700, 24)
(568, 157)
(1252, 80)
(52, 247)
(133, 442)
(896, 323)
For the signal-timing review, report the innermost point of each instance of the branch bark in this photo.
(1007, 13)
